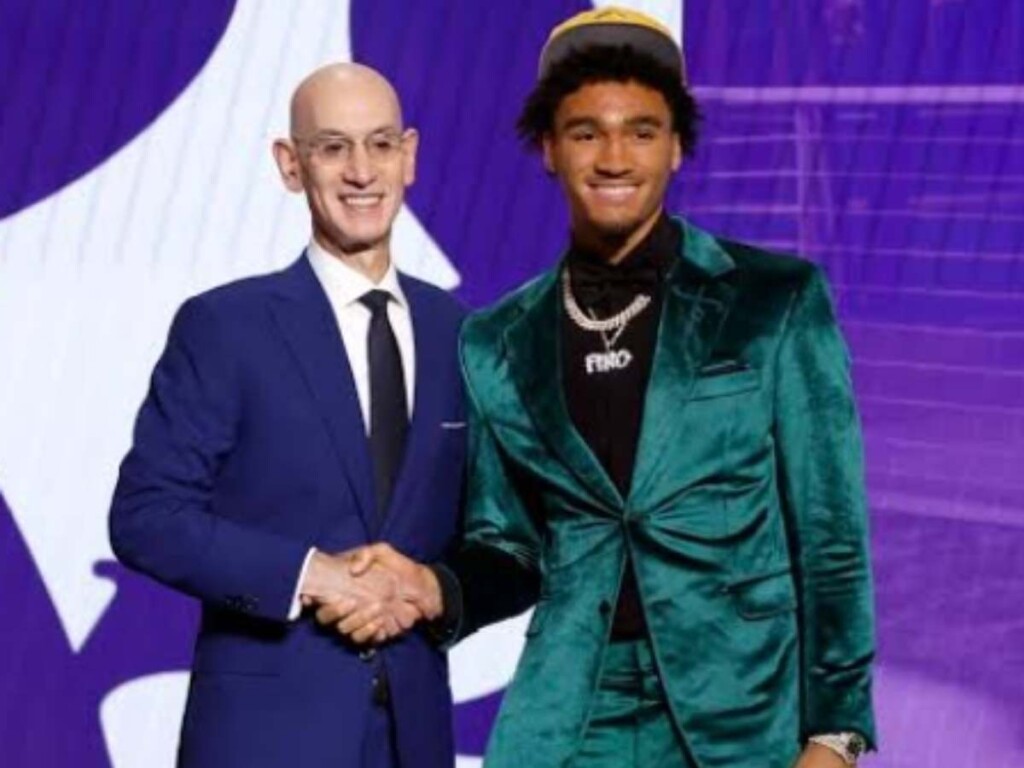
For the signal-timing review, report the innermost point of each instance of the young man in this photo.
(280, 428)
(664, 445)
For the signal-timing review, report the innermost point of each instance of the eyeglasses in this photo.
(337, 149)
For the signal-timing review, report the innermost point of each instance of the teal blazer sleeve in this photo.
(821, 479)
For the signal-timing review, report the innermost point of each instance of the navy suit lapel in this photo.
(306, 320)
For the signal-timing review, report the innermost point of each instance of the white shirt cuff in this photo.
(296, 609)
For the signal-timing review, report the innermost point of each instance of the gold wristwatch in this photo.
(848, 745)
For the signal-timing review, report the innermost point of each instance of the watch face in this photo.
(856, 745)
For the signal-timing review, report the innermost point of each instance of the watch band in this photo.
(848, 745)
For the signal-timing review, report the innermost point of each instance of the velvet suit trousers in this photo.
(630, 726)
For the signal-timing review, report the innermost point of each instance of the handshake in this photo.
(370, 594)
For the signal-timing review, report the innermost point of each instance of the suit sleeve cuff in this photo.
(444, 630)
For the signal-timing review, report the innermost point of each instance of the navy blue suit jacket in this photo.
(248, 450)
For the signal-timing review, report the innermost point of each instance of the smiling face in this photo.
(351, 157)
(613, 149)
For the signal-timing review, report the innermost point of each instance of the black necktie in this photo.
(389, 418)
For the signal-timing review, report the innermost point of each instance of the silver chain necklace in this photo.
(610, 328)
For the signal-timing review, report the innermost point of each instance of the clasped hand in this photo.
(370, 594)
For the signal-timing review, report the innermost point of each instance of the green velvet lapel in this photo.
(533, 342)
(696, 303)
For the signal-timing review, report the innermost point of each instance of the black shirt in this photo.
(607, 406)
(483, 584)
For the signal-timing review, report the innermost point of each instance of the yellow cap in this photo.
(612, 26)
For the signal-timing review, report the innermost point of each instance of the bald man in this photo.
(292, 417)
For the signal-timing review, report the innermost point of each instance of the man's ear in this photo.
(410, 145)
(677, 152)
(287, 158)
(548, 150)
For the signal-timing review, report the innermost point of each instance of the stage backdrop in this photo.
(882, 139)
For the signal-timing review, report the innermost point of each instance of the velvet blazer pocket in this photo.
(721, 381)
(765, 594)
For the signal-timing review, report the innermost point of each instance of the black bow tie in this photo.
(606, 286)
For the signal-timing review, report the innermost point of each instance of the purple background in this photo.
(909, 193)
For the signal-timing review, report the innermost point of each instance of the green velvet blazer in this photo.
(746, 520)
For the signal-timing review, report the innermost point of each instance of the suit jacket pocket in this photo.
(765, 594)
(240, 645)
(712, 384)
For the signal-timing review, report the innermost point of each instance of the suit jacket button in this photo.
(605, 608)
(367, 654)
(380, 691)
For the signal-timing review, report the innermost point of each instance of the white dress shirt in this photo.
(344, 287)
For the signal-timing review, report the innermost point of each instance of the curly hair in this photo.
(607, 63)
